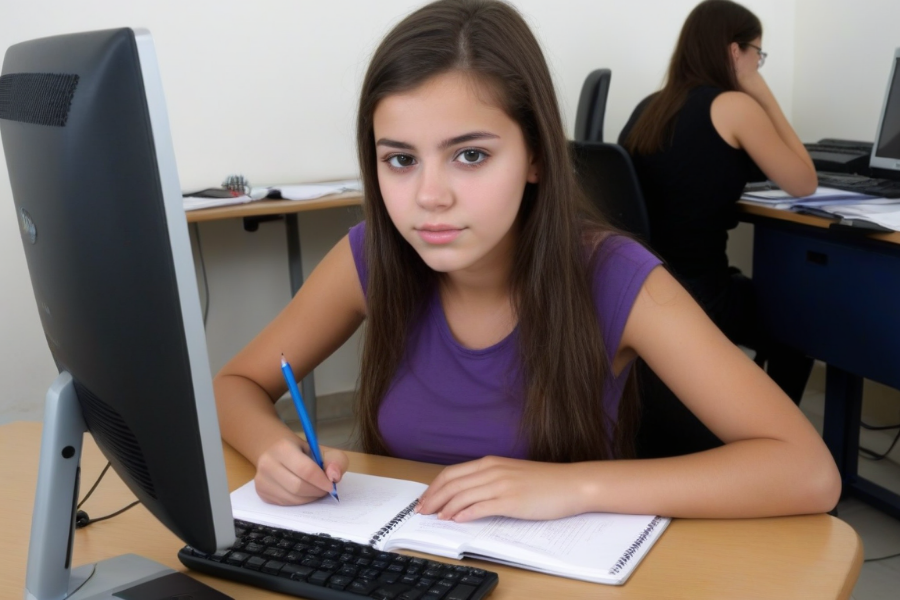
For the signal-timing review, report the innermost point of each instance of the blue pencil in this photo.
(308, 428)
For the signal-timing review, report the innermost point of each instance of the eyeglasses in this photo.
(762, 55)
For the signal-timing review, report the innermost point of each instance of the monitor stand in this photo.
(50, 575)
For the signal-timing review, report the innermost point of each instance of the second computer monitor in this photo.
(886, 149)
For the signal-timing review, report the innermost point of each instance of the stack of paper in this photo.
(885, 213)
(219, 197)
(832, 203)
(823, 196)
(310, 191)
(200, 202)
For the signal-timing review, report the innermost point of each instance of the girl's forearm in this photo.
(751, 478)
(247, 417)
(759, 90)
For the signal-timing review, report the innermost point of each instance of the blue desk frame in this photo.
(836, 296)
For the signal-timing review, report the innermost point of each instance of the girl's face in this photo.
(452, 168)
(746, 60)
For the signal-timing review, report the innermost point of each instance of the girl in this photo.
(695, 144)
(502, 319)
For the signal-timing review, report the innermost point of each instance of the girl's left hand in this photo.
(508, 487)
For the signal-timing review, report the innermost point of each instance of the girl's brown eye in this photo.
(400, 161)
(472, 157)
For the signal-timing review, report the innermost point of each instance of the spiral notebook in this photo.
(380, 511)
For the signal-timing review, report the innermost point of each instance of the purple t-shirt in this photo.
(450, 404)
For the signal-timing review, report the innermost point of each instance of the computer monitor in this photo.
(92, 169)
(886, 149)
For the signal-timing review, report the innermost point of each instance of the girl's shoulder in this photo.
(620, 266)
(614, 255)
(357, 237)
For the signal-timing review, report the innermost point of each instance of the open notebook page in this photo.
(367, 504)
(587, 546)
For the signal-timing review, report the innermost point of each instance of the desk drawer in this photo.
(836, 299)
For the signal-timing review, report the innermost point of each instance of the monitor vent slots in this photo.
(110, 430)
(37, 98)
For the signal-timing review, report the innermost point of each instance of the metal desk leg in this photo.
(295, 267)
(843, 408)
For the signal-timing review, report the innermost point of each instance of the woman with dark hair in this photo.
(503, 318)
(695, 144)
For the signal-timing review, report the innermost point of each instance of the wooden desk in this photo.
(752, 212)
(833, 295)
(289, 209)
(815, 556)
(273, 207)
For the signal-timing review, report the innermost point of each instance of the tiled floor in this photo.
(879, 580)
(880, 533)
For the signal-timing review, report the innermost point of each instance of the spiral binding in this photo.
(632, 550)
(394, 523)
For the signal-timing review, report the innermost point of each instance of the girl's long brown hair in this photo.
(702, 57)
(564, 362)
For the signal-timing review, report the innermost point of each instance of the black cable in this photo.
(82, 519)
(203, 271)
(94, 487)
(878, 427)
(109, 516)
(874, 455)
(882, 557)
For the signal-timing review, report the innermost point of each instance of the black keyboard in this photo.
(320, 567)
(840, 147)
(884, 188)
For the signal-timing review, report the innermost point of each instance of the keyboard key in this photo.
(237, 558)
(219, 556)
(273, 567)
(348, 570)
(460, 592)
(319, 577)
(339, 582)
(254, 548)
(389, 591)
(295, 572)
(362, 587)
(388, 577)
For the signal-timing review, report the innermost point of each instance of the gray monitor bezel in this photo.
(882, 162)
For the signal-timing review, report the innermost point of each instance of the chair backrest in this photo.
(592, 106)
(610, 181)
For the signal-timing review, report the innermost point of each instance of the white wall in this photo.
(268, 88)
(843, 53)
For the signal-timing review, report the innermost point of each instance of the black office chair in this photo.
(667, 427)
(608, 177)
(592, 106)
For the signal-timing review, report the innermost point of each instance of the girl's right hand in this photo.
(751, 82)
(287, 475)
